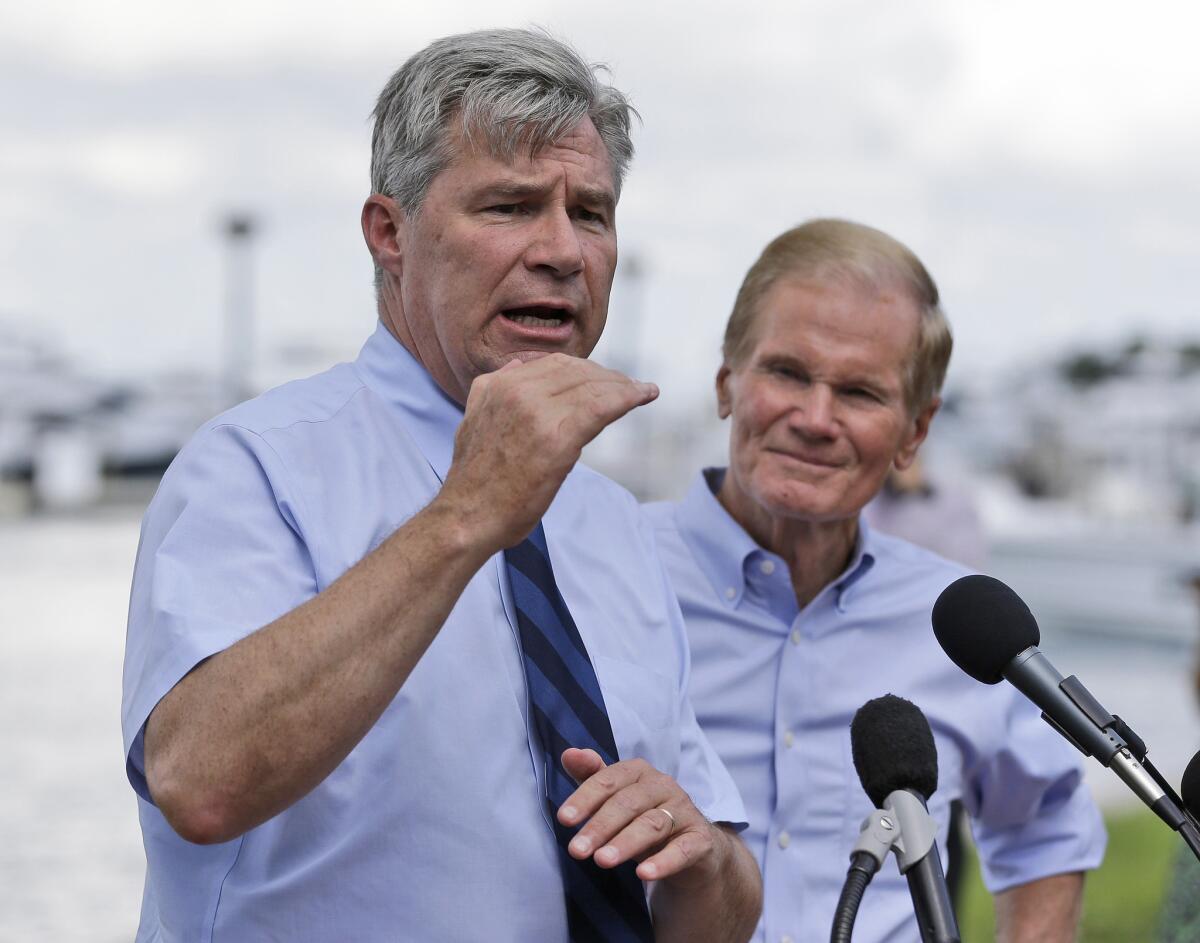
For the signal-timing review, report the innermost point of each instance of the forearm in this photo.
(723, 909)
(1042, 911)
(257, 726)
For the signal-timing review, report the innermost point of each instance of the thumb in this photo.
(581, 764)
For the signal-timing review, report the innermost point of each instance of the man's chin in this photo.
(526, 356)
(802, 501)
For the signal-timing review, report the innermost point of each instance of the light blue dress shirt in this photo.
(433, 828)
(775, 689)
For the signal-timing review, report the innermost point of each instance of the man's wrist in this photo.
(464, 531)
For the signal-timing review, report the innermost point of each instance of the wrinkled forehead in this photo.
(579, 147)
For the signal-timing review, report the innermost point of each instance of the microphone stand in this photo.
(1072, 710)
(904, 826)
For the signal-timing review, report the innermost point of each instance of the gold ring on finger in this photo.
(668, 815)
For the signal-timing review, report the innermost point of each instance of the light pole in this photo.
(238, 340)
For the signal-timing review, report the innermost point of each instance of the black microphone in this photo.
(988, 631)
(896, 760)
(1189, 788)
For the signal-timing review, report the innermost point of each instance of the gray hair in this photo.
(512, 88)
(828, 249)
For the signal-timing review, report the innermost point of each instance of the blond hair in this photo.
(831, 249)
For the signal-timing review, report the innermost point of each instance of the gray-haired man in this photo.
(376, 612)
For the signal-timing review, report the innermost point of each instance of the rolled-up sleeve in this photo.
(1032, 814)
(221, 555)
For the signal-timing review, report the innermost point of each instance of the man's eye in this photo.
(506, 209)
(590, 216)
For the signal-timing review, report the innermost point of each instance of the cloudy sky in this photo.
(1041, 158)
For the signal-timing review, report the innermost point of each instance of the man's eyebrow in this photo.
(596, 196)
(516, 190)
(783, 357)
(512, 189)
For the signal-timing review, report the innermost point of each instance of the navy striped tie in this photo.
(567, 708)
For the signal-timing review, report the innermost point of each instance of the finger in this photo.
(590, 408)
(548, 375)
(564, 373)
(684, 850)
(580, 764)
(568, 381)
(597, 788)
(645, 835)
(558, 372)
(609, 828)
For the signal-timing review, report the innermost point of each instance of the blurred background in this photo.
(179, 195)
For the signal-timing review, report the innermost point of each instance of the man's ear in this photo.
(918, 430)
(383, 223)
(724, 400)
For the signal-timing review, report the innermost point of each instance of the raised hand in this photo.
(523, 430)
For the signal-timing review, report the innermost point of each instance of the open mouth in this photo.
(538, 316)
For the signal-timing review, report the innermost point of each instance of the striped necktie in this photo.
(567, 710)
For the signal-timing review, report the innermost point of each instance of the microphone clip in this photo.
(903, 825)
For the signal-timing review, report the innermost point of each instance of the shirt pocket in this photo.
(643, 710)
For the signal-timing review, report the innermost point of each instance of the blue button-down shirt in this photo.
(433, 828)
(775, 688)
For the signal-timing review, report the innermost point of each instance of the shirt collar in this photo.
(718, 542)
(861, 562)
(392, 372)
(721, 545)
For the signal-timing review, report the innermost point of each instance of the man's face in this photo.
(508, 260)
(818, 405)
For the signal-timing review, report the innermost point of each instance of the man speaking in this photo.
(798, 613)
(396, 668)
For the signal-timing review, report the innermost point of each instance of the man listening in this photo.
(798, 613)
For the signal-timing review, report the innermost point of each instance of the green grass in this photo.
(1122, 897)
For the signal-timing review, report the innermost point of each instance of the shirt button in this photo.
(767, 566)
(795, 636)
(730, 592)
(784, 839)
(785, 939)
(788, 739)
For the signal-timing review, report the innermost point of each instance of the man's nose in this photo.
(555, 244)
(814, 413)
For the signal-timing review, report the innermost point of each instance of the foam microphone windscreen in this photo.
(893, 748)
(1189, 789)
(983, 625)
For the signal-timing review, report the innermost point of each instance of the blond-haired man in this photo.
(798, 613)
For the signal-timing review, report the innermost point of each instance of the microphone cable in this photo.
(862, 868)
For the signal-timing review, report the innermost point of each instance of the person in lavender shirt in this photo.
(798, 611)
(332, 719)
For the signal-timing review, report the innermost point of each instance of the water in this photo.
(1098, 585)
(71, 862)
(1118, 615)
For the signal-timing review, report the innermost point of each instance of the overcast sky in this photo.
(1041, 159)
